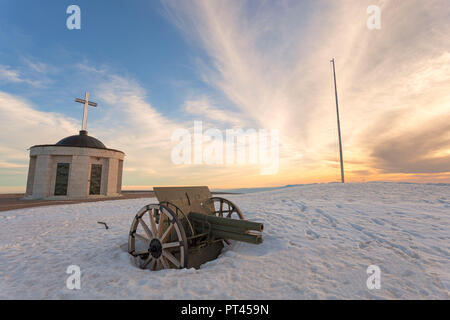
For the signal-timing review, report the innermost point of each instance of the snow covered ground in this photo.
(319, 241)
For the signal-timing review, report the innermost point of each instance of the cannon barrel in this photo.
(234, 229)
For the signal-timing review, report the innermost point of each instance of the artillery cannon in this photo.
(187, 228)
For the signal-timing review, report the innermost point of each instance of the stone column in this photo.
(112, 177)
(79, 177)
(30, 178)
(42, 177)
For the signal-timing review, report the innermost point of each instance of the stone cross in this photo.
(86, 103)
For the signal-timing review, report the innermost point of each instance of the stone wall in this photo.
(43, 166)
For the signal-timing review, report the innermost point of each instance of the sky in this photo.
(158, 67)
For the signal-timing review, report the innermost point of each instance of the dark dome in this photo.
(81, 140)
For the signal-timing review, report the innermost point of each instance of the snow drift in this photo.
(318, 242)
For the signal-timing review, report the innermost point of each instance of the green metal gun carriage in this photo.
(187, 228)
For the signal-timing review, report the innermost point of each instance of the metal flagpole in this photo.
(338, 122)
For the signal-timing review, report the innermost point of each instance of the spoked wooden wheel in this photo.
(179, 212)
(225, 209)
(157, 239)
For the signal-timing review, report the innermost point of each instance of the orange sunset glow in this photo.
(270, 69)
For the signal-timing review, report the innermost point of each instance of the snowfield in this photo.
(318, 242)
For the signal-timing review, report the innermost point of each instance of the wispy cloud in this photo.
(204, 109)
(424, 149)
(39, 66)
(24, 126)
(8, 74)
(271, 59)
(129, 122)
(9, 165)
(32, 72)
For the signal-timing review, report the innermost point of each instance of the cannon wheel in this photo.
(178, 211)
(225, 208)
(150, 230)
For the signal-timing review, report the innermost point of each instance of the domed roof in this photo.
(81, 140)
